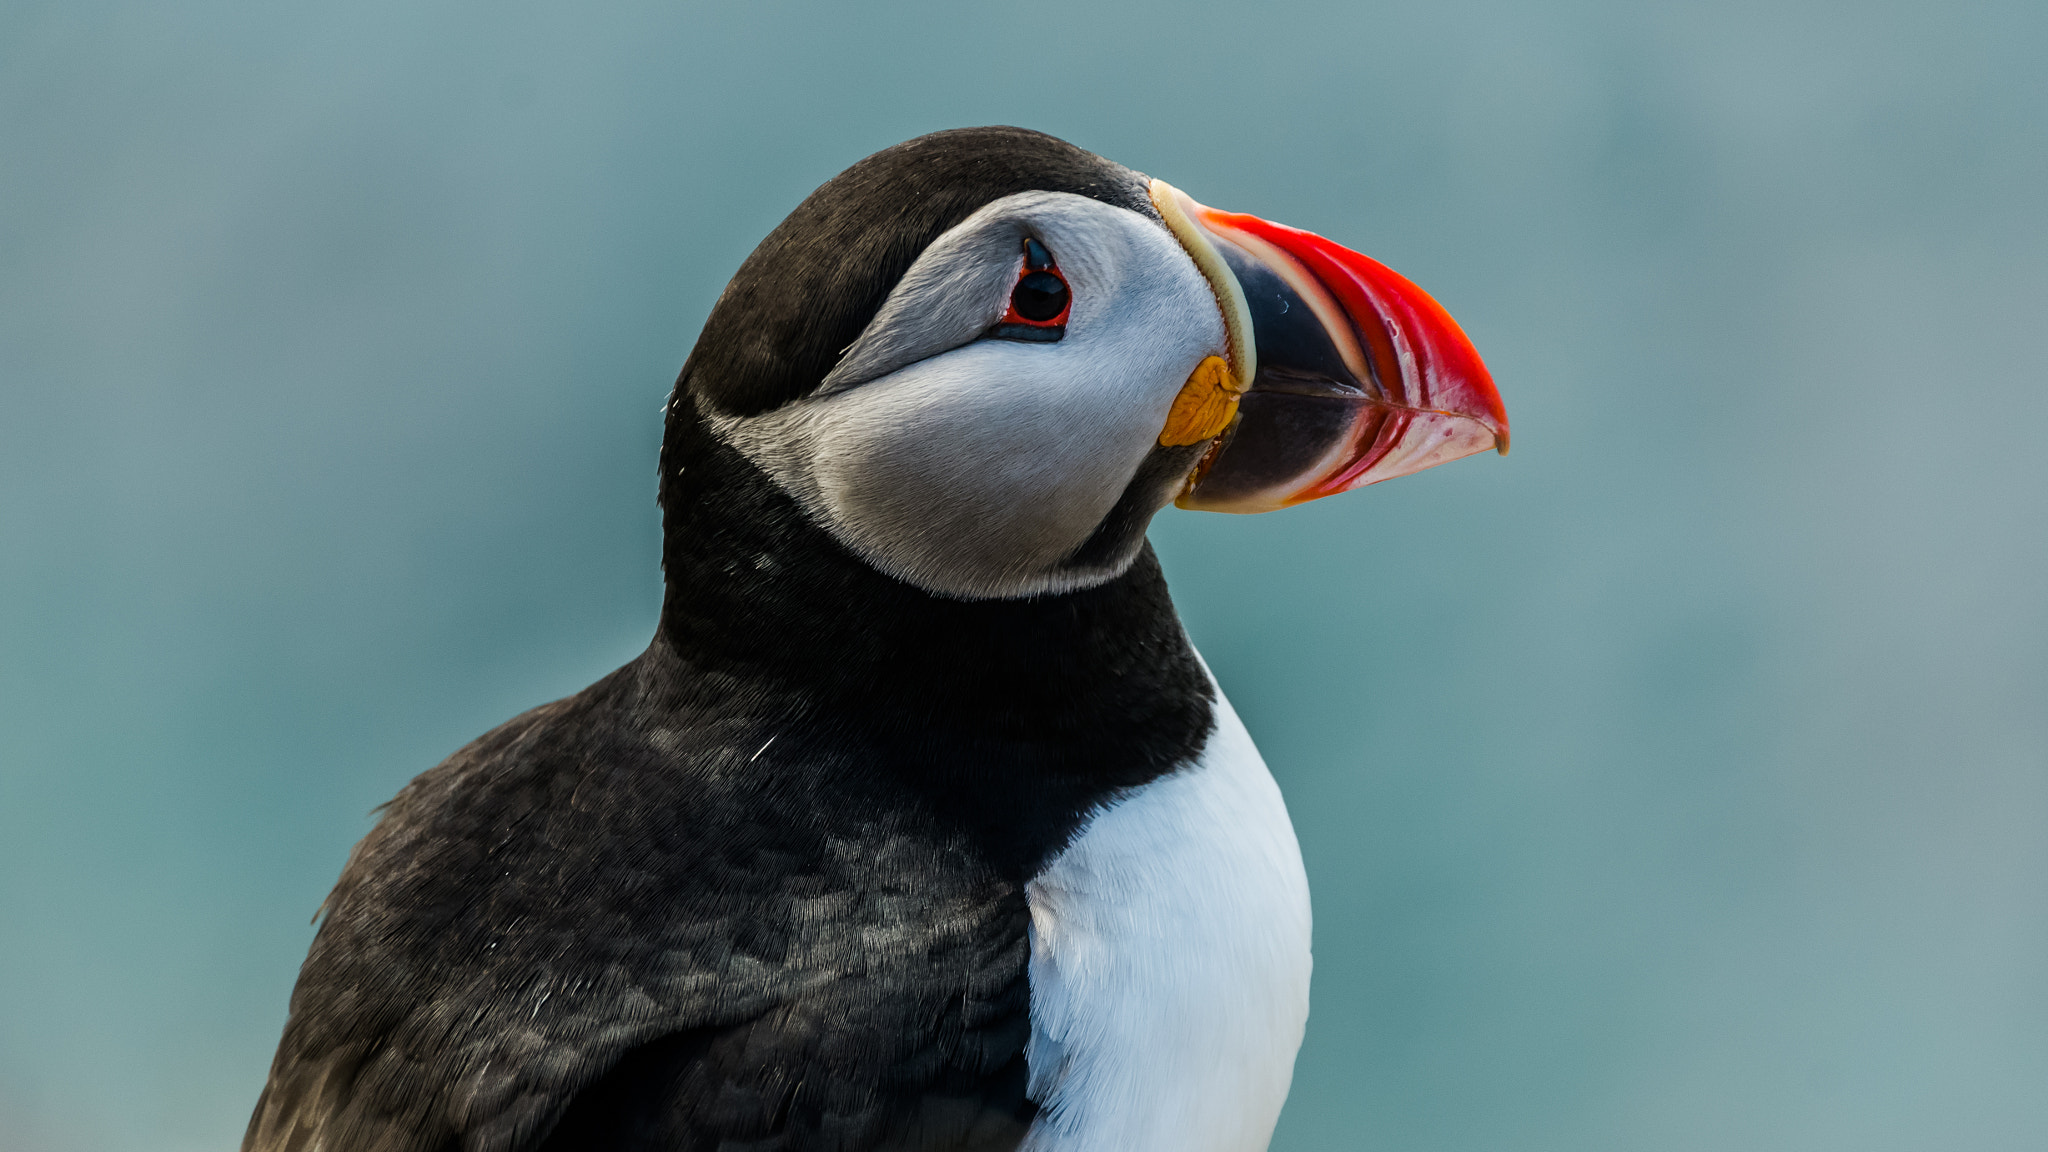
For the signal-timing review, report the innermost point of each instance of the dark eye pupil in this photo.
(1040, 296)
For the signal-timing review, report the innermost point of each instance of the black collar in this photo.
(1014, 717)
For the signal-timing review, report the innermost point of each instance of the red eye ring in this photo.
(1057, 320)
(1040, 301)
(1063, 294)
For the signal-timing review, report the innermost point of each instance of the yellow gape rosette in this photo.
(1208, 401)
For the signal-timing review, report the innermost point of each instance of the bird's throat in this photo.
(993, 707)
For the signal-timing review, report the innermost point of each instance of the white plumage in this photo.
(1170, 964)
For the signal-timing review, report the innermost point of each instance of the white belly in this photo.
(1170, 964)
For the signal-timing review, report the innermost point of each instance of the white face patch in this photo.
(976, 467)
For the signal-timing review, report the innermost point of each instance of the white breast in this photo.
(1170, 965)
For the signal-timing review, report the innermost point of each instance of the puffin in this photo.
(919, 826)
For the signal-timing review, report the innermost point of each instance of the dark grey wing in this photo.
(597, 929)
(712, 1089)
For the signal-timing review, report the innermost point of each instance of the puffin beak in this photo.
(1340, 373)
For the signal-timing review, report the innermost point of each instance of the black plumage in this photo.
(810, 287)
(762, 887)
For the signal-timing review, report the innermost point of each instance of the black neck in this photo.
(1044, 706)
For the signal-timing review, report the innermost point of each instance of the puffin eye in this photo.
(1040, 301)
(1040, 297)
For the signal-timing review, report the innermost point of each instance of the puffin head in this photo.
(983, 359)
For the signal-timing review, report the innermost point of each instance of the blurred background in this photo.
(1679, 782)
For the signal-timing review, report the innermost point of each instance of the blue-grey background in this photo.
(1676, 783)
